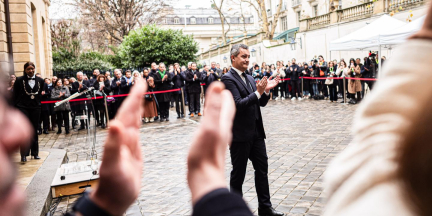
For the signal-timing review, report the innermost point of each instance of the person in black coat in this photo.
(47, 108)
(102, 87)
(27, 97)
(210, 75)
(331, 72)
(79, 86)
(294, 72)
(115, 88)
(305, 72)
(162, 80)
(248, 129)
(193, 80)
(178, 81)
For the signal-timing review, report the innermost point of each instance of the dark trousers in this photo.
(255, 151)
(178, 103)
(33, 116)
(296, 87)
(44, 119)
(186, 95)
(287, 88)
(102, 118)
(323, 87)
(333, 93)
(280, 87)
(62, 117)
(164, 109)
(194, 102)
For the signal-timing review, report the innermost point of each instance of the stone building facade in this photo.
(31, 39)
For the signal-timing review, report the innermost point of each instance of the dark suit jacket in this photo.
(163, 86)
(75, 87)
(125, 87)
(245, 124)
(114, 87)
(21, 99)
(193, 86)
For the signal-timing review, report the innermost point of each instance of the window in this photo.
(193, 20)
(241, 20)
(298, 18)
(176, 20)
(210, 20)
(165, 21)
(284, 24)
(315, 10)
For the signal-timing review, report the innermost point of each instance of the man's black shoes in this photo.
(269, 212)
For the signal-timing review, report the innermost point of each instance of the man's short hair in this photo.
(190, 64)
(235, 50)
(79, 72)
(128, 71)
(293, 59)
(161, 64)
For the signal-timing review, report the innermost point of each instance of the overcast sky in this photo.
(61, 9)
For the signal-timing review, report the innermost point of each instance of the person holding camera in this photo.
(354, 86)
(102, 87)
(294, 72)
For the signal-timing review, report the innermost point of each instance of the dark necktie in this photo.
(257, 115)
(31, 78)
(247, 81)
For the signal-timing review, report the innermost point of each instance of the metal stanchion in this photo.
(183, 101)
(344, 90)
(106, 110)
(302, 87)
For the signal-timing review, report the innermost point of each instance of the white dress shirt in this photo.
(244, 80)
(32, 82)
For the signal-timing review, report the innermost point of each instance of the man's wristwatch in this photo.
(86, 207)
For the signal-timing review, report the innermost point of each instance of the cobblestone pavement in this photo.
(302, 137)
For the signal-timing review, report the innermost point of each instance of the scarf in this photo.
(162, 74)
(128, 80)
(331, 69)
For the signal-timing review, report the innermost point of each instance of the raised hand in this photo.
(272, 83)
(261, 85)
(121, 169)
(206, 160)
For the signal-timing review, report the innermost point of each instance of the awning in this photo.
(288, 35)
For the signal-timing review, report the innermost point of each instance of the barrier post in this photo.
(302, 87)
(106, 110)
(344, 90)
(183, 101)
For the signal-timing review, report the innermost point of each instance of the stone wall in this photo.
(31, 39)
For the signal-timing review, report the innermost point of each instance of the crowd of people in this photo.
(296, 83)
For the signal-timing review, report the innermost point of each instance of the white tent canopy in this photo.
(399, 35)
(367, 36)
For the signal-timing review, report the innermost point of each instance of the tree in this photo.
(222, 18)
(152, 44)
(260, 7)
(65, 35)
(118, 17)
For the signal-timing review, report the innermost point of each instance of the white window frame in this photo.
(284, 23)
(176, 20)
(315, 12)
(193, 20)
(210, 21)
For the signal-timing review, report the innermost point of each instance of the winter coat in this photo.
(354, 85)
(55, 92)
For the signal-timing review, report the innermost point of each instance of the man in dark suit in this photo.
(210, 75)
(27, 94)
(193, 80)
(248, 129)
(79, 86)
(115, 88)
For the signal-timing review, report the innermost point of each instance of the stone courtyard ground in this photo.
(302, 138)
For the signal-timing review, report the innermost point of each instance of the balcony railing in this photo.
(356, 12)
(295, 3)
(395, 4)
(318, 21)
